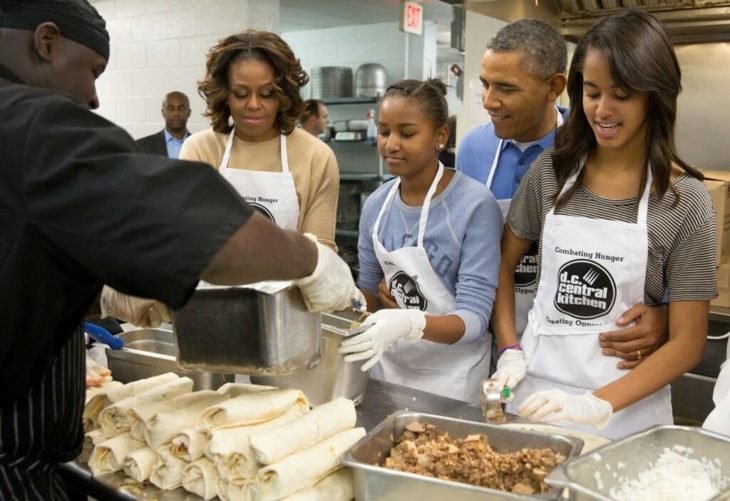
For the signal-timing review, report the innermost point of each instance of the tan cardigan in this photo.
(311, 162)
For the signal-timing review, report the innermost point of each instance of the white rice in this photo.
(674, 477)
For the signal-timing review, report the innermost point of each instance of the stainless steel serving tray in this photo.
(246, 331)
(150, 352)
(593, 475)
(375, 482)
(333, 377)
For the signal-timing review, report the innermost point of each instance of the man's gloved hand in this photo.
(135, 310)
(551, 406)
(389, 326)
(511, 368)
(330, 287)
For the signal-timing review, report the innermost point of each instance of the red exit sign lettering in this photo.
(411, 19)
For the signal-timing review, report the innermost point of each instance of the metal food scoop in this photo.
(491, 398)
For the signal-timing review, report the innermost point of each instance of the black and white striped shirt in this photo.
(682, 238)
(44, 428)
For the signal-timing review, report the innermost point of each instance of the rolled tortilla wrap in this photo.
(115, 419)
(161, 429)
(167, 475)
(232, 489)
(200, 477)
(91, 440)
(236, 389)
(251, 408)
(94, 406)
(189, 444)
(109, 455)
(303, 469)
(141, 414)
(102, 399)
(336, 486)
(311, 428)
(230, 451)
(139, 464)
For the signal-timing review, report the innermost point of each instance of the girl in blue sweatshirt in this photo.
(431, 235)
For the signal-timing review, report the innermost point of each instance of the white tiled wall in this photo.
(160, 45)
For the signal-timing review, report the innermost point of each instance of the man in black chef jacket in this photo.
(79, 208)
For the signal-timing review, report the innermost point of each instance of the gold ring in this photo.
(638, 354)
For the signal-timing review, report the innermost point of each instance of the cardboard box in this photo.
(722, 299)
(718, 184)
(723, 276)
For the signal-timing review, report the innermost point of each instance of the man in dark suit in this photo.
(175, 111)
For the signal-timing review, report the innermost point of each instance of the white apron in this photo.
(719, 418)
(526, 272)
(453, 371)
(592, 271)
(271, 193)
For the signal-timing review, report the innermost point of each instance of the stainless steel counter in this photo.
(381, 400)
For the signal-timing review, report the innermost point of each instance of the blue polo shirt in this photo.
(478, 148)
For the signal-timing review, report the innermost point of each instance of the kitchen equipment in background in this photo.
(375, 482)
(151, 352)
(349, 135)
(594, 475)
(331, 82)
(261, 329)
(333, 377)
(370, 80)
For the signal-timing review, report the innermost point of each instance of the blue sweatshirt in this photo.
(462, 243)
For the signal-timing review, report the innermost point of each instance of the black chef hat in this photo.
(77, 20)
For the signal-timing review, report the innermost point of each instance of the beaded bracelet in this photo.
(513, 346)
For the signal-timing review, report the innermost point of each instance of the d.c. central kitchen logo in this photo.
(585, 289)
(526, 271)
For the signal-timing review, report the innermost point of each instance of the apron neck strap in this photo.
(424, 209)
(229, 145)
(643, 211)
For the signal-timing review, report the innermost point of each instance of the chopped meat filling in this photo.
(425, 450)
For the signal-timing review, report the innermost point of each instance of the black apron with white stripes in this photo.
(43, 429)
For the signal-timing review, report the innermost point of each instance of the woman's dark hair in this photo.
(429, 94)
(262, 46)
(641, 59)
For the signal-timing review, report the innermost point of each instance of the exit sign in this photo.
(411, 18)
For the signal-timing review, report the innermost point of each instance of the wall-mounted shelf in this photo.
(349, 100)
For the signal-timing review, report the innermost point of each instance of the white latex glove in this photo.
(330, 287)
(389, 326)
(135, 310)
(551, 406)
(511, 368)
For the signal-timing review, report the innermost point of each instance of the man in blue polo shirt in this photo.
(523, 72)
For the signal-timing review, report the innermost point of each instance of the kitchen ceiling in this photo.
(686, 21)
(297, 15)
(300, 15)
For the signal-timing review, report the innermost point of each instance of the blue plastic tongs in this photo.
(102, 335)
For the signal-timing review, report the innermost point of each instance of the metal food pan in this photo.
(593, 475)
(375, 482)
(150, 352)
(333, 377)
(247, 331)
